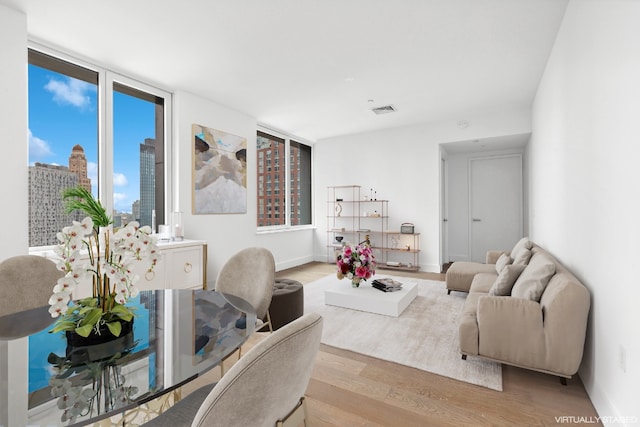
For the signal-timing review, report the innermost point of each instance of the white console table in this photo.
(181, 265)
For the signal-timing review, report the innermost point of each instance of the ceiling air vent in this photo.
(384, 109)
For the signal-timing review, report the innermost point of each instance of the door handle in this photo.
(445, 220)
(476, 219)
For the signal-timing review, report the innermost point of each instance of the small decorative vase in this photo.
(355, 283)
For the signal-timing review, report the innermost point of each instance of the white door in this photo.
(496, 212)
(444, 212)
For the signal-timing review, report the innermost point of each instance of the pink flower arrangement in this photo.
(356, 263)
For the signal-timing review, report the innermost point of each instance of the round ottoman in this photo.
(287, 303)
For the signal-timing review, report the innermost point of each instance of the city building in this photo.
(147, 180)
(271, 197)
(78, 166)
(46, 208)
(135, 211)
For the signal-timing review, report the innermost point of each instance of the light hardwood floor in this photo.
(350, 389)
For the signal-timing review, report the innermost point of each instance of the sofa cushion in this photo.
(503, 284)
(460, 275)
(534, 279)
(523, 257)
(482, 282)
(523, 243)
(502, 262)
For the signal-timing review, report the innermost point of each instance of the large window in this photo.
(93, 128)
(284, 181)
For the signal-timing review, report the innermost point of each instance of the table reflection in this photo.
(176, 336)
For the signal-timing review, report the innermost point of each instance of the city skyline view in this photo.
(63, 112)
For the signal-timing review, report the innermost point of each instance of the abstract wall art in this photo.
(219, 172)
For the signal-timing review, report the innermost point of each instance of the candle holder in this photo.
(177, 229)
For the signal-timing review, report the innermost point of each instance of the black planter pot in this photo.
(98, 346)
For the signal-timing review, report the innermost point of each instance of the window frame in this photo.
(107, 79)
(285, 163)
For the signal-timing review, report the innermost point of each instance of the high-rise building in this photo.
(147, 180)
(135, 211)
(46, 208)
(272, 200)
(78, 165)
(271, 180)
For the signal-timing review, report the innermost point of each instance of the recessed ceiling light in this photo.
(463, 124)
(349, 79)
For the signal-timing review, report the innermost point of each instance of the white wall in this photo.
(403, 166)
(585, 188)
(14, 172)
(228, 233)
(14, 177)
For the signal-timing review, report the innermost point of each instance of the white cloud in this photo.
(119, 180)
(38, 148)
(70, 92)
(119, 197)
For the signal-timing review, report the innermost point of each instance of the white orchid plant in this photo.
(108, 269)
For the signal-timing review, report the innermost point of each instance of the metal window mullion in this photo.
(287, 182)
(105, 141)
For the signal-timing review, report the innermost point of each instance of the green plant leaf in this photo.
(91, 317)
(122, 312)
(84, 331)
(63, 325)
(80, 198)
(115, 328)
(88, 302)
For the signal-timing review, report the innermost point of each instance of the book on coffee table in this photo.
(387, 284)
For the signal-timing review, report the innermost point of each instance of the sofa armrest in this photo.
(511, 329)
(492, 256)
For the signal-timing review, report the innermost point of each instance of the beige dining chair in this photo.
(26, 284)
(264, 388)
(250, 275)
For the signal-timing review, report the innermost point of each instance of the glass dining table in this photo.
(177, 336)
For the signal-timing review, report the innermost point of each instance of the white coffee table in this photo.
(367, 298)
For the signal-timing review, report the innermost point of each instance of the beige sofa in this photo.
(461, 273)
(532, 316)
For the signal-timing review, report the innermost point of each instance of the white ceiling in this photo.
(310, 67)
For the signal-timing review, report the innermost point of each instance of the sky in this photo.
(63, 112)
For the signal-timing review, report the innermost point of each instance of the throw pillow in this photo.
(523, 243)
(507, 277)
(534, 279)
(502, 262)
(523, 257)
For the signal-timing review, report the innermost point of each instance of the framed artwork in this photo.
(219, 172)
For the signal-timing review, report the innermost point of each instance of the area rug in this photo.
(424, 336)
